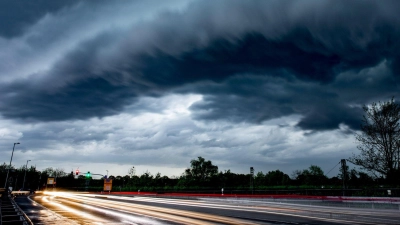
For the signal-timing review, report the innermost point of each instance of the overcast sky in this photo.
(107, 85)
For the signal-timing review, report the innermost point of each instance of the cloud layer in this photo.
(312, 62)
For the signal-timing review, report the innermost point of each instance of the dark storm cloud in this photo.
(329, 116)
(17, 15)
(270, 98)
(294, 52)
(252, 54)
(76, 101)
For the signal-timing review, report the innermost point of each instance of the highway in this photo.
(84, 208)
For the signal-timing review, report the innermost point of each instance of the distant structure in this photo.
(344, 174)
(252, 180)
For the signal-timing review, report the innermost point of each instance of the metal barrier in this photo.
(10, 212)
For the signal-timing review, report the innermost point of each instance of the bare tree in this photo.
(59, 172)
(49, 171)
(379, 140)
(132, 172)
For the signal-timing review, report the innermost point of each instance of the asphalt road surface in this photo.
(81, 208)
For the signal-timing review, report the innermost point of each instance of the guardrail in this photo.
(10, 212)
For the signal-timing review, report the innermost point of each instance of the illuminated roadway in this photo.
(81, 208)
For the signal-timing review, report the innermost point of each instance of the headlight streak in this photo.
(73, 211)
(240, 208)
(52, 216)
(110, 211)
(295, 210)
(148, 213)
(180, 216)
(128, 219)
(189, 203)
(259, 209)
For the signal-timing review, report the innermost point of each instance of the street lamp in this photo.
(9, 167)
(26, 168)
(107, 173)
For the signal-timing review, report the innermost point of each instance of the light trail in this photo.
(111, 203)
(203, 204)
(107, 209)
(277, 208)
(87, 216)
(180, 216)
(127, 218)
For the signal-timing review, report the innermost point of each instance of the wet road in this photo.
(75, 208)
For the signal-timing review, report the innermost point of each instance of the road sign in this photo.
(50, 180)
(107, 184)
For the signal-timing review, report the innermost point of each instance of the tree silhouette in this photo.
(379, 140)
(201, 170)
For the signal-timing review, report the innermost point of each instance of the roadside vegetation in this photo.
(204, 177)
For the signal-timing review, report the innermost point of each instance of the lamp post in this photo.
(26, 168)
(9, 167)
(107, 173)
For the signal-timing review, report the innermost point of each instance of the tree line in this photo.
(201, 175)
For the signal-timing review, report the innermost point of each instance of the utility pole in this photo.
(9, 167)
(40, 180)
(26, 168)
(252, 180)
(344, 174)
